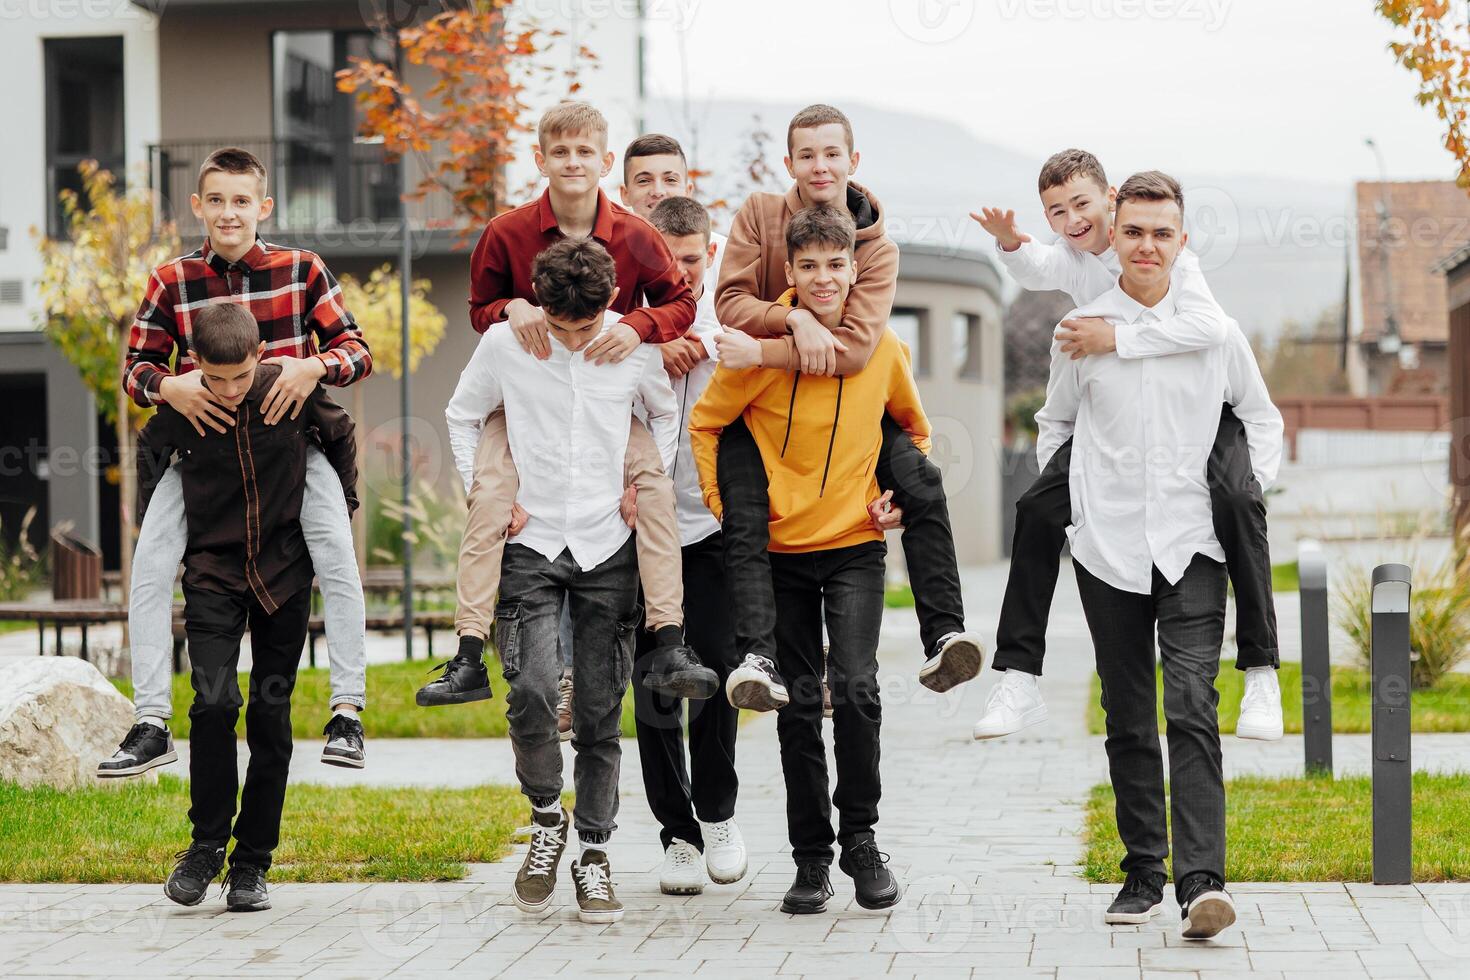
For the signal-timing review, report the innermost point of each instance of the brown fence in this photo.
(1403, 413)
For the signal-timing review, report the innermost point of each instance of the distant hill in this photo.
(1274, 248)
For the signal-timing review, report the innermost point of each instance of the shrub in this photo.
(20, 565)
(1439, 617)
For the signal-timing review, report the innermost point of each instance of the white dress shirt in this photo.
(695, 521)
(1198, 322)
(1142, 431)
(567, 420)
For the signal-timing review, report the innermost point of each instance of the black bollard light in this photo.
(1393, 852)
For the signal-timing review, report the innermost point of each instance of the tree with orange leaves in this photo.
(1438, 51)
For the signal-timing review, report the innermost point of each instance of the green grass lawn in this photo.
(1286, 577)
(391, 710)
(1443, 708)
(130, 833)
(898, 597)
(14, 625)
(1309, 830)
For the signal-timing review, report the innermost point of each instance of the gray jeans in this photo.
(605, 616)
(161, 543)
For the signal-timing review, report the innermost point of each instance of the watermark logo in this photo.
(932, 21)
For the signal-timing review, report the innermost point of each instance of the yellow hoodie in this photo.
(819, 438)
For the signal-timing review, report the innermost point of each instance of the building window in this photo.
(84, 115)
(912, 326)
(965, 328)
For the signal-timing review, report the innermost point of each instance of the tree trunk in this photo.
(359, 519)
(127, 474)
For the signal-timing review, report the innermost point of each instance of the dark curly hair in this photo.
(574, 279)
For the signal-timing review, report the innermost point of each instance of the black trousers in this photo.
(1190, 618)
(844, 588)
(928, 541)
(1045, 510)
(214, 623)
(706, 790)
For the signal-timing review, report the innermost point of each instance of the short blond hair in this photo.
(819, 115)
(571, 117)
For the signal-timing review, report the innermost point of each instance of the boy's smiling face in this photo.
(823, 276)
(1079, 212)
(1148, 236)
(821, 163)
(574, 162)
(231, 206)
(653, 178)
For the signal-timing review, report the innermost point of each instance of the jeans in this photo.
(706, 790)
(1190, 619)
(928, 541)
(215, 624)
(605, 617)
(564, 636)
(1045, 510)
(161, 542)
(844, 586)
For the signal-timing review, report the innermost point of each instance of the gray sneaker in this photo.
(596, 902)
(535, 885)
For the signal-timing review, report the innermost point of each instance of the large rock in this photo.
(58, 718)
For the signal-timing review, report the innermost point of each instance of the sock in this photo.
(153, 720)
(668, 636)
(546, 804)
(346, 710)
(470, 648)
(1020, 675)
(592, 842)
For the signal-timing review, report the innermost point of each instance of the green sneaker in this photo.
(536, 881)
(596, 902)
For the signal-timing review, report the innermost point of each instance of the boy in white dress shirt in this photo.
(1147, 557)
(567, 421)
(1078, 203)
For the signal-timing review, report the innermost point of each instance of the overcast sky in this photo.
(1272, 87)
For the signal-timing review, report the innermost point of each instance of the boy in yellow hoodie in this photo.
(819, 439)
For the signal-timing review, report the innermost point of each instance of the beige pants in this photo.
(493, 491)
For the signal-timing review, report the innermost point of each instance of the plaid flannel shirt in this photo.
(289, 291)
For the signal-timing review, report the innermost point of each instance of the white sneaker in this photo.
(724, 851)
(756, 685)
(1015, 703)
(1260, 706)
(683, 870)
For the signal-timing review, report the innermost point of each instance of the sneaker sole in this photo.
(1131, 918)
(1035, 716)
(886, 903)
(953, 666)
(1208, 917)
(728, 878)
(343, 761)
(1258, 734)
(530, 907)
(140, 768)
(439, 700)
(690, 685)
(174, 898)
(599, 918)
(756, 696)
(803, 908)
(680, 889)
(247, 906)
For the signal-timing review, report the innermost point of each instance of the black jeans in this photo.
(844, 586)
(681, 797)
(605, 615)
(1045, 510)
(214, 623)
(928, 541)
(1190, 616)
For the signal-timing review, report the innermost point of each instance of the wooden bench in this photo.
(316, 626)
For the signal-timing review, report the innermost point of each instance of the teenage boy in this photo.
(1079, 207)
(245, 563)
(310, 337)
(695, 807)
(821, 437)
(565, 419)
(571, 152)
(1147, 557)
(821, 160)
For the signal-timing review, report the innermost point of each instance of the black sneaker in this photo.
(144, 747)
(956, 658)
(246, 889)
(808, 894)
(756, 685)
(1205, 908)
(868, 868)
(675, 672)
(464, 680)
(344, 743)
(197, 866)
(1139, 900)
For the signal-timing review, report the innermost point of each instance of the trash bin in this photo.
(76, 567)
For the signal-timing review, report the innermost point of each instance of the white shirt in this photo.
(1142, 431)
(567, 421)
(695, 520)
(1199, 321)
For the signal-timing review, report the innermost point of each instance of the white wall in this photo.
(23, 205)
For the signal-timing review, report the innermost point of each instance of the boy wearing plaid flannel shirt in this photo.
(313, 339)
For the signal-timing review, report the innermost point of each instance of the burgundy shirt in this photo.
(652, 297)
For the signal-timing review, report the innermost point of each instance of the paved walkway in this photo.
(984, 836)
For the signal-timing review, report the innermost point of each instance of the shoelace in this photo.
(564, 690)
(867, 856)
(243, 876)
(544, 844)
(132, 741)
(197, 859)
(340, 727)
(1133, 884)
(815, 876)
(595, 881)
(682, 855)
(718, 834)
(763, 664)
(1255, 691)
(1007, 695)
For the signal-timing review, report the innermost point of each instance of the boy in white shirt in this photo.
(567, 421)
(1078, 204)
(1147, 557)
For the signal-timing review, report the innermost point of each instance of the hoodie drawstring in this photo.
(790, 411)
(833, 440)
